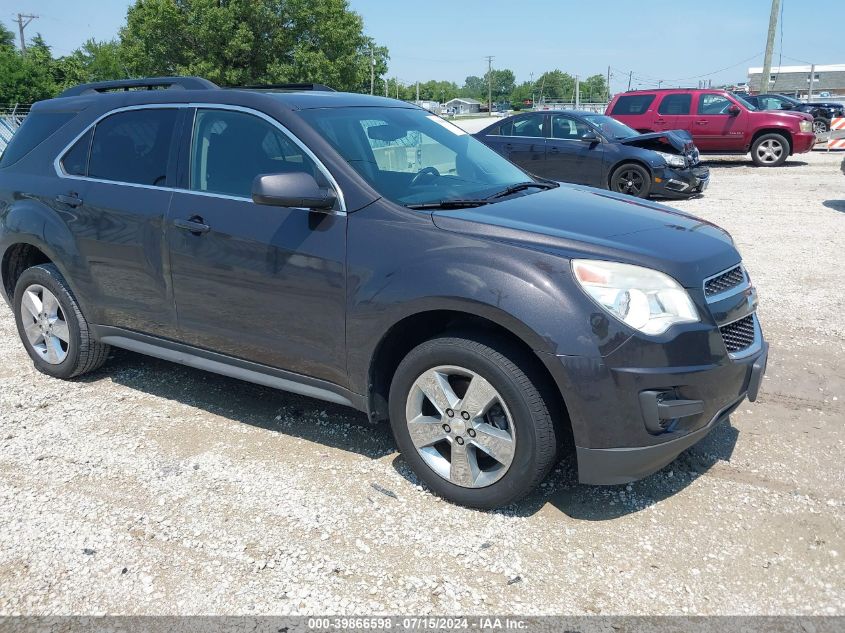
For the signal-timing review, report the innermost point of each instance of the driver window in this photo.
(231, 148)
(409, 153)
(713, 104)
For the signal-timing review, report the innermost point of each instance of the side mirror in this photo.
(296, 189)
(590, 137)
(734, 109)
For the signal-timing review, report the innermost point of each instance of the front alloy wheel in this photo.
(460, 426)
(469, 418)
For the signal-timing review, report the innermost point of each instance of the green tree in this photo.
(556, 85)
(24, 80)
(7, 37)
(502, 85)
(242, 42)
(594, 88)
(474, 88)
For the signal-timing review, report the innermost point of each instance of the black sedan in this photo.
(593, 149)
(822, 112)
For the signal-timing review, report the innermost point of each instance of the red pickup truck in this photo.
(719, 122)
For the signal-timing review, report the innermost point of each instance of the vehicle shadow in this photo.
(836, 205)
(343, 428)
(746, 162)
(560, 492)
(321, 422)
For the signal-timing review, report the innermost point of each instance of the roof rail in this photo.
(296, 87)
(149, 83)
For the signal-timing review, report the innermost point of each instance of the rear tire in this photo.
(631, 179)
(770, 150)
(505, 444)
(52, 328)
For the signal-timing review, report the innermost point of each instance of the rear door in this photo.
(569, 157)
(261, 283)
(522, 141)
(673, 112)
(118, 182)
(715, 129)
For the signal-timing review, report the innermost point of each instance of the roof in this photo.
(463, 100)
(829, 68)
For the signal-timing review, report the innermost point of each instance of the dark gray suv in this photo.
(366, 252)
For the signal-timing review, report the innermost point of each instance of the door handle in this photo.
(195, 225)
(71, 200)
(554, 150)
(701, 122)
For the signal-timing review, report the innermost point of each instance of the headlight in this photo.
(673, 160)
(805, 126)
(645, 299)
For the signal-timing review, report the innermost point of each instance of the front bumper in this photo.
(803, 142)
(608, 466)
(680, 183)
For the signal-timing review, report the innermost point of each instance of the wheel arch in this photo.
(414, 329)
(781, 131)
(627, 161)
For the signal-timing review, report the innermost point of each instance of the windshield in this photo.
(413, 157)
(611, 127)
(744, 102)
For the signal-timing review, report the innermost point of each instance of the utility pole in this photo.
(812, 77)
(577, 92)
(659, 83)
(23, 22)
(770, 47)
(533, 86)
(607, 89)
(630, 74)
(372, 69)
(418, 93)
(489, 59)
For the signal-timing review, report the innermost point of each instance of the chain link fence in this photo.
(10, 120)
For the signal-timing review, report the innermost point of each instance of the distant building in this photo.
(795, 80)
(431, 106)
(463, 106)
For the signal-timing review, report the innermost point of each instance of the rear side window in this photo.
(75, 161)
(632, 104)
(675, 104)
(133, 146)
(37, 127)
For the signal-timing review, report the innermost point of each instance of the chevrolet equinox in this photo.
(363, 251)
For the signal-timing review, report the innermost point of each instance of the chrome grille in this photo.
(724, 281)
(738, 335)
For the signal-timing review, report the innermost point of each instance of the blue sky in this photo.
(677, 41)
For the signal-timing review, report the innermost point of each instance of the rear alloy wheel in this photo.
(631, 179)
(470, 422)
(51, 325)
(770, 150)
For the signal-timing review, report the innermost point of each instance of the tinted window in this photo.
(675, 104)
(565, 127)
(529, 126)
(75, 161)
(713, 104)
(36, 128)
(632, 104)
(133, 146)
(230, 149)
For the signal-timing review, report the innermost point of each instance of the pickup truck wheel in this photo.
(470, 422)
(770, 150)
(51, 325)
(632, 179)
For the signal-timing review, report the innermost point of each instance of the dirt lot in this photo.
(150, 488)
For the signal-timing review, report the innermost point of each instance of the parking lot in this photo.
(150, 488)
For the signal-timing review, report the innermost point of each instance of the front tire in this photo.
(821, 126)
(770, 150)
(470, 421)
(631, 179)
(52, 327)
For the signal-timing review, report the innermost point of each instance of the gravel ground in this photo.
(149, 488)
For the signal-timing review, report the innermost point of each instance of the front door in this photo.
(261, 283)
(714, 128)
(571, 158)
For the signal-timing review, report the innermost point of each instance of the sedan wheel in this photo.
(460, 426)
(44, 324)
(632, 180)
(820, 127)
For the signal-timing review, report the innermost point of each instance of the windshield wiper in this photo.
(522, 186)
(456, 203)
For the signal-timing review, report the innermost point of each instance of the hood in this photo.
(584, 222)
(781, 114)
(679, 140)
